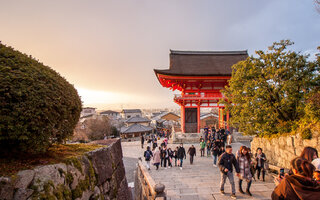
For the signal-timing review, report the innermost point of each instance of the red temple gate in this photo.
(200, 76)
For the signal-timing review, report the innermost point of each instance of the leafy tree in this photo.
(99, 128)
(267, 93)
(38, 107)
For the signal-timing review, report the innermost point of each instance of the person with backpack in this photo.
(181, 155)
(226, 163)
(148, 155)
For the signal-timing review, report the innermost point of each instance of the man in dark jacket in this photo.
(192, 152)
(181, 154)
(226, 161)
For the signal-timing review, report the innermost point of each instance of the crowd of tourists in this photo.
(302, 181)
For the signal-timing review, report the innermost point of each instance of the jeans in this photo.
(181, 161)
(208, 152)
(215, 159)
(175, 161)
(231, 180)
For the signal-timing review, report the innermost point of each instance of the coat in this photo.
(226, 161)
(262, 160)
(156, 157)
(295, 187)
(181, 153)
(192, 151)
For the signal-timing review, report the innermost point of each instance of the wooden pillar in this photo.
(219, 118)
(228, 121)
(198, 118)
(183, 118)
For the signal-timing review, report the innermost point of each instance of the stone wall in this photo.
(280, 151)
(145, 187)
(98, 174)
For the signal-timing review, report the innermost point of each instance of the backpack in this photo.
(148, 155)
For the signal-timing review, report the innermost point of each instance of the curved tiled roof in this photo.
(137, 120)
(202, 63)
(135, 128)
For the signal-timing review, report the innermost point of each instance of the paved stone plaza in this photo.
(198, 181)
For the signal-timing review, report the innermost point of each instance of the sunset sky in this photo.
(108, 49)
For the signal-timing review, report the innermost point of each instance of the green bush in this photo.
(306, 134)
(38, 107)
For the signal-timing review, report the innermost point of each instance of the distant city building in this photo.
(209, 120)
(128, 113)
(135, 130)
(165, 119)
(111, 114)
(87, 111)
(135, 125)
(138, 120)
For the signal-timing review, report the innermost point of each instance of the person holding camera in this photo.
(299, 185)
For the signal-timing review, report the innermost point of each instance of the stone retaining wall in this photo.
(145, 187)
(280, 151)
(98, 174)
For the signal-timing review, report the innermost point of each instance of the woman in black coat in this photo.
(260, 160)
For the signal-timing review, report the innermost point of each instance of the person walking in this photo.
(202, 146)
(175, 155)
(148, 155)
(165, 155)
(244, 161)
(260, 158)
(215, 152)
(299, 185)
(181, 155)
(170, 153)
(162, 155)
(226, 163)
(142, 141)
(156, 157)
(192, 153)
(154, 143)
(208, 148)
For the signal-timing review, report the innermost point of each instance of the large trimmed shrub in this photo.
(38, 107)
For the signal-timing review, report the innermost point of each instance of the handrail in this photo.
(148, 178)
(153, 191)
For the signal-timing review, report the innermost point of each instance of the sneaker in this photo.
(222, 192)
(180, 168)
(233, 196)
(169, 167)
